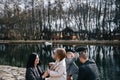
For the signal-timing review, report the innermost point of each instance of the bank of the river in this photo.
(11, 73)
(81, 42)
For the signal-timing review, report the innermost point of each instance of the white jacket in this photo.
(58, 72)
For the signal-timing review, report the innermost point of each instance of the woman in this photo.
(33, 70)
(58, 70)
(71, 67)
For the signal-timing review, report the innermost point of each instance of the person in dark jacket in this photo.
(88, 70)
(33, 70)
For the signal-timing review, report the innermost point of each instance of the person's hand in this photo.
(45, 75)
(48, 71)
(76, 55)
(51, 64)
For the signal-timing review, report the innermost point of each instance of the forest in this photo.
(34, 19)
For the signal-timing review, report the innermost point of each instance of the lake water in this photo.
(106, 57)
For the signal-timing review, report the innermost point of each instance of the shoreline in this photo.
(66, 42)
(12, 73)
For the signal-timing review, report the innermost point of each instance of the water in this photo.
(106, 57)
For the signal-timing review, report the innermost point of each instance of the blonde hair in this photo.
(61, 53)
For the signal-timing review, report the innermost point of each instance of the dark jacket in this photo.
(88, 71)
(33, 74)
(71, 67)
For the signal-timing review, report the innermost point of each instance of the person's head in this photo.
(33, 60)
(82, 54)
(70, 55)
(83, 57)
(60, 54)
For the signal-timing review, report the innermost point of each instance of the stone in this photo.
(12, 73)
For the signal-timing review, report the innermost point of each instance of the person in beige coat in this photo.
(57, 71)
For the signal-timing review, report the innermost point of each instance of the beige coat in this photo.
(58, 72)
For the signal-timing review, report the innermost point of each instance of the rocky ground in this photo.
(12, 73)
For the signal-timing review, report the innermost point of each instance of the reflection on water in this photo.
(106, 57)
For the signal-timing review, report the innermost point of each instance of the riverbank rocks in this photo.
(12, 73)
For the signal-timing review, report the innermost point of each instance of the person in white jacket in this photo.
(58, 70)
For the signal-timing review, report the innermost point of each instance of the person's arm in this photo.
(40, 70)
(30, 75)
(81, 74)
(59, 72)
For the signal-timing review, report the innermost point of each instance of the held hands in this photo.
(48, 71)
(51, 64)
(46, 74)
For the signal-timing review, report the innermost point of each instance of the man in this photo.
(88, 70)
(71, 67)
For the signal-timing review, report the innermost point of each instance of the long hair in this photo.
(31, 60)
